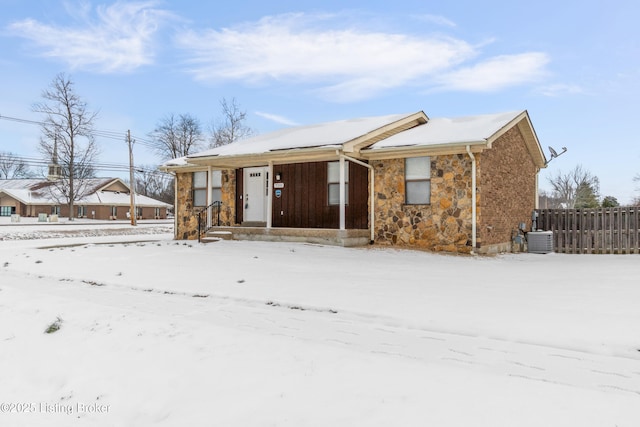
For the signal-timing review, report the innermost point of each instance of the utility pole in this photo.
(132, 187)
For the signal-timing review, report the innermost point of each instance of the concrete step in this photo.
(219, 235)
(209, 239)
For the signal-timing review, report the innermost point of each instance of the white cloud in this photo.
(120, 39)
(277, 119)
(437, 19)
(496, 73)
(561, 89)
(346, 64)
(290, 48)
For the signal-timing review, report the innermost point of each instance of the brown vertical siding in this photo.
(305, 202)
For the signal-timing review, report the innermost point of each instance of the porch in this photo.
(323, 236)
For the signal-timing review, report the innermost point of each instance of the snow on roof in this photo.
(38, 192)
(19, 183)
(180, 161)
(318, 135)
(25, 196)
(477, 129)
(115, 198)
(450, 131)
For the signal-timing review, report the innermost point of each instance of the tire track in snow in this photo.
(375, 335)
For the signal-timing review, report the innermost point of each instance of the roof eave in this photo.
(423, 150)
(523, 122)
(300, 155)
(384, 132)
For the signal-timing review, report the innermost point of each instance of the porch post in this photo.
(474, 211)
(342, 195)
(209, 194)
(270, 195)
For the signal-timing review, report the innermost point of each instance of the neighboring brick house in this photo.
(105, 198)
(404, 180)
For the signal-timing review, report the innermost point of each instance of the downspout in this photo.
(209, 194)
(537, 196)
(474, 219)
(270, 180)
(372, 215)
(342, 196)
(175, 206)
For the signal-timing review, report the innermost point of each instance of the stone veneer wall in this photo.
(186, 214)
(186, 221)
(507, 191)
(444, 224)
(228, 213)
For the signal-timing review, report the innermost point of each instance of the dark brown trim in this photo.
(239, 193)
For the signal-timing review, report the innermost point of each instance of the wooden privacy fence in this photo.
(593, 231)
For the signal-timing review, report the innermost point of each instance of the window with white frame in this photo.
(216, 185)
(114, 211)
(333, 182)
(417, 178)
(55, 210)
(200, 188)
(82, 211)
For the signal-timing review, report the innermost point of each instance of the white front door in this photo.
(255, 183)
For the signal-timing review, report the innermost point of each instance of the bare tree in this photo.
(577, 188)
(636, 200)
(177, 136)
(547, 200)
(67, 139)
(12, 167)
(155, 184)
(231, 127)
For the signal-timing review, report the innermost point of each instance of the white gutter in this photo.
(474, 219)
(270, 181)
(372, 203)
(343, 198)
(209, 194)
(175, 206)
(537, 196)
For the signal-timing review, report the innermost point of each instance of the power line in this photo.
(108, 134)
(112, 167)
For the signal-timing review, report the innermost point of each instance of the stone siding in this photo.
(186, 213)
(228, 212)
(507, 191)
(442, 225)
(186, 220)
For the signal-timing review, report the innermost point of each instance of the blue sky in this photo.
(575, 66)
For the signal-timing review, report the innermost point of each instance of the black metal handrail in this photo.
(214, 208)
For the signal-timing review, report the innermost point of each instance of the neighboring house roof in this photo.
(21, 195)
(101, 191)
(18, 183)
(369, 138)
(112, 198)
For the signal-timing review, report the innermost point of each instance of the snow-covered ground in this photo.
(154, 331)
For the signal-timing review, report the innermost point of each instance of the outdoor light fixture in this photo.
(278, 176)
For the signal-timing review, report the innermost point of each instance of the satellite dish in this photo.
(555, 154)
